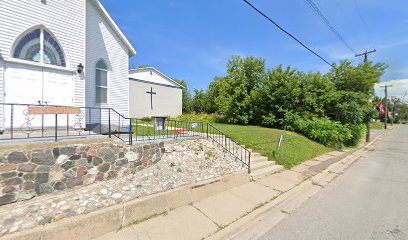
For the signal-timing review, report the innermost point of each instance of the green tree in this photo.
(243, 77)
(360, 78)
(311, 103)
(355, 85)
(278, 94)
(199, 101)
(186, 95)
(318, 95)
(213, 95)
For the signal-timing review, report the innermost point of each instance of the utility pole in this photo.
(393, 100)
(365, 54)
(386, 104)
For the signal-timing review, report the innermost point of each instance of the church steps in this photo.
(266, 171)
(258, 159)
(261, 166)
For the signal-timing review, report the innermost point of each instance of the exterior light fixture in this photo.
(80, 68)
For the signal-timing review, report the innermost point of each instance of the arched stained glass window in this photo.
(52, 51)
(40, 46)
(29, 47)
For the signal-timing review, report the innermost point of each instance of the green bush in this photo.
(357, 134)
(269, 120)
(289, 121)
(324, 131)
(146, 119)
(202, 117)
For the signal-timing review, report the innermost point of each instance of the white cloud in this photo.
(399, 88)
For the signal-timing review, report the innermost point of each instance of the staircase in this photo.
(261, 166)
(258, 165)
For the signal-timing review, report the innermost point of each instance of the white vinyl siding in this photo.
(85, 36)
(65, 19)
(103, 43)
(1, 93)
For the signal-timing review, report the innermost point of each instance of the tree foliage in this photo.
(186, 95)
(199, 101)
(252, 94)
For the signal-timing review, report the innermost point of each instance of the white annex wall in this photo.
(166, 102)
(114, 52)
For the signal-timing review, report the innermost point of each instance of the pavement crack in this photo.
(216, 224)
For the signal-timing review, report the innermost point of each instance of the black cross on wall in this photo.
(151, 97)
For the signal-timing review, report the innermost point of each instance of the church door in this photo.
(26, 84)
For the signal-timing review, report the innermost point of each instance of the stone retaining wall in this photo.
(25, 174)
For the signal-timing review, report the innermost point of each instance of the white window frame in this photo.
(105, 87)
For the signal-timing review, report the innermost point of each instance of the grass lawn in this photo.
(173, 128)
(265, 140)
(377, 125)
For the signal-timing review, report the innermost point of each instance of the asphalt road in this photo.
(369, 201)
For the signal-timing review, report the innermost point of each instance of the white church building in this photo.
(68, 53)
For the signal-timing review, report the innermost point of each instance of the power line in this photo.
(359, 13)
(287, 33)
(329, 25)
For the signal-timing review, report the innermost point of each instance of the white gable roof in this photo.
(115, 27)
(152, 75)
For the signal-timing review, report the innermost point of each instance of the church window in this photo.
(40, 46)
(101, 82)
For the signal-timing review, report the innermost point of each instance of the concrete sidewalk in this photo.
(222, 215)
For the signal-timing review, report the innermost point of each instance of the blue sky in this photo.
(193, 40)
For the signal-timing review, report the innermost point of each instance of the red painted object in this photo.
(180, 131)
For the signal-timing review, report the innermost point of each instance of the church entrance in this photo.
(26, 84)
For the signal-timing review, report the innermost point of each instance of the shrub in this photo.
(269, 120)
(357, 134)
(146, 119)
(202, 117)
(289, 121)
(324, 131)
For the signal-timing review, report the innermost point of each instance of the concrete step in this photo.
(259, 159)
(255, 154)
(266, 171)
(258, 165)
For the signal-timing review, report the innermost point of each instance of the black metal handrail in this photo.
(107, 121)
(239, 152)
(46, 126)
(91, 121)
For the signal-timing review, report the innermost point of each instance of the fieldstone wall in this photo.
(25, 174)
